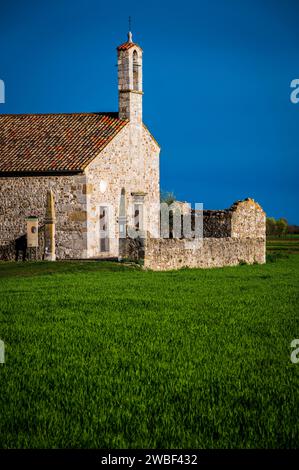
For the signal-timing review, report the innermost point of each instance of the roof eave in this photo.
(41, 173)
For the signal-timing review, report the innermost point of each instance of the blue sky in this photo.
(216, 80)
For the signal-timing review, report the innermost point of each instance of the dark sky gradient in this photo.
(216, 79)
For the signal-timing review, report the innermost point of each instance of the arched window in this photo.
(135, 71)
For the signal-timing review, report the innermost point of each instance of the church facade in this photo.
(102, 169)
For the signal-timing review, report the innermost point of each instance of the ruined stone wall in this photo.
(164, 254)
(21, 197)
(239, 237)
(248, 220)
(244, 219)
(129, 162)
(132, 249)
(216, 224)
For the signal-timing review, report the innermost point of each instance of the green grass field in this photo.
(288, 244)
(106, 355)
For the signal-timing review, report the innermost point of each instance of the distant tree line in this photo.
(280, 227)
(293, 229)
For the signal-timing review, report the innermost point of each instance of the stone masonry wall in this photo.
(21, 197)
(165, 254)
(132, 249)
(129, 162)
(245, 220)
(130, 90)
(216, 224)
(248, 220)
(161, 254)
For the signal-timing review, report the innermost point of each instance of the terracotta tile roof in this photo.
(38, 143)
(127, 45)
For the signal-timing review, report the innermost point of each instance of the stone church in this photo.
(102, 168)
(88, 180)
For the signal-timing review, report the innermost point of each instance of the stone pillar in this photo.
(50, 254)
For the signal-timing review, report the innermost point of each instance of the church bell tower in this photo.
(130, 81)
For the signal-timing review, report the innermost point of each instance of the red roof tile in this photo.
(127, 45)
(38, 143)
